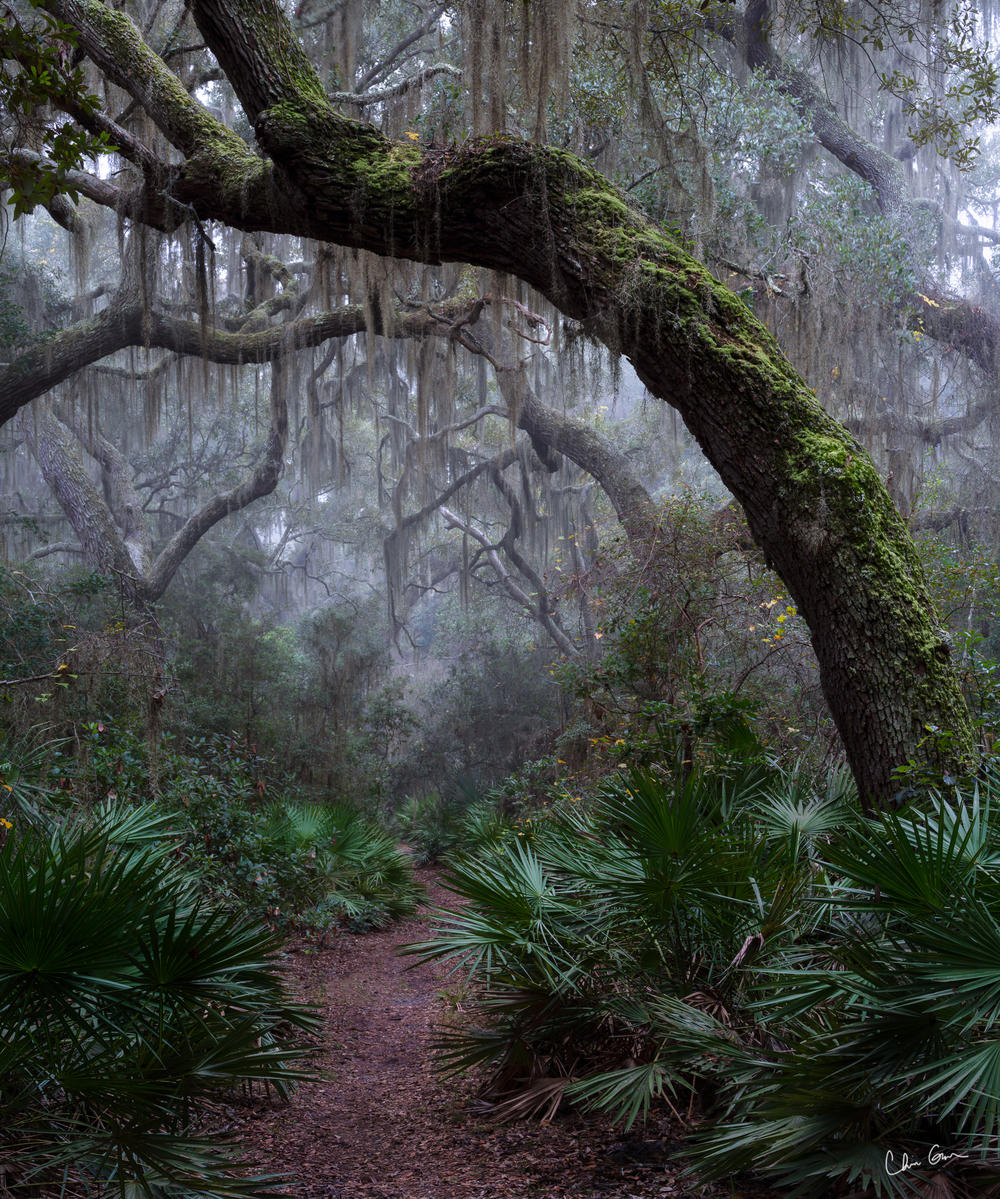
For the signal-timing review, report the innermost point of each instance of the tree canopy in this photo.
(261, 126)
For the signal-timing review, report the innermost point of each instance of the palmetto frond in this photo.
(124, 999)
(835, 976)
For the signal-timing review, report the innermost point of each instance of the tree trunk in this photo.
(550, 430)
(57, 452)
(117, 542)
(813, 499)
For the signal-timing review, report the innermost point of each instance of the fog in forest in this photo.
(550, 443)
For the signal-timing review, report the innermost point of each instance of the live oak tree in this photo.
(110, 523)
(813, 499)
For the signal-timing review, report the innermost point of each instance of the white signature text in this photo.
(936, 1157)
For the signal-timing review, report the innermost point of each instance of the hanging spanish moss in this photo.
(517, 43)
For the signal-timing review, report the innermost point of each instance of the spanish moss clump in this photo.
(517, 44)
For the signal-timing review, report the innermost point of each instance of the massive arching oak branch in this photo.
(813, 499)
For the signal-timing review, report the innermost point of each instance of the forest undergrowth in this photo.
(380, 1122)
(703, 969)
(669, 955)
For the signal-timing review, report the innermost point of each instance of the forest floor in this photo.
(380, 1124)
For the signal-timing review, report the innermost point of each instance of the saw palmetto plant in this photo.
(126, 1001)
(667, 889)
(888, 1018)
(331, 858)
(822, 987)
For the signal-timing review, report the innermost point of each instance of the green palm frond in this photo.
(126, 999)
(797, 821)
(830, 979)
(967, 1083)
(921, 861)
(625, 1094)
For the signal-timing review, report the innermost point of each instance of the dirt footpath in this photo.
(381, 1125)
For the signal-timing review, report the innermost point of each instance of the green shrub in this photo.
(826, 985)
(883, 1024)
(284, 861)
(294, 864)
(348, 868)
(126, 999)
(579, 920)
(437, 828)
(430, 825)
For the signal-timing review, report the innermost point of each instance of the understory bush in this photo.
(127, 998)
(436, 827)
(300, 865)
(250, 837)
(821, 986)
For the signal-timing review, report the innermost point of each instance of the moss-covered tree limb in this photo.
(885, 174)
(550, 430)
(261, 481)
(124, 323)
(928, 432)
(98, 190)
(396, 542)
(960, 326)
(123, 501)
(113, 534)
(813, 499)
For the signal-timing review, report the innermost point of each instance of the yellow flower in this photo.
(6, 823)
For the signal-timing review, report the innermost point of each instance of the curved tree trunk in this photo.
(57, 452)
(552, 431)
(813, 499)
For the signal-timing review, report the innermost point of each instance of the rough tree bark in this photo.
(57, 452)
(813, 499)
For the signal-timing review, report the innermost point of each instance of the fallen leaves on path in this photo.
(380, 1124)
